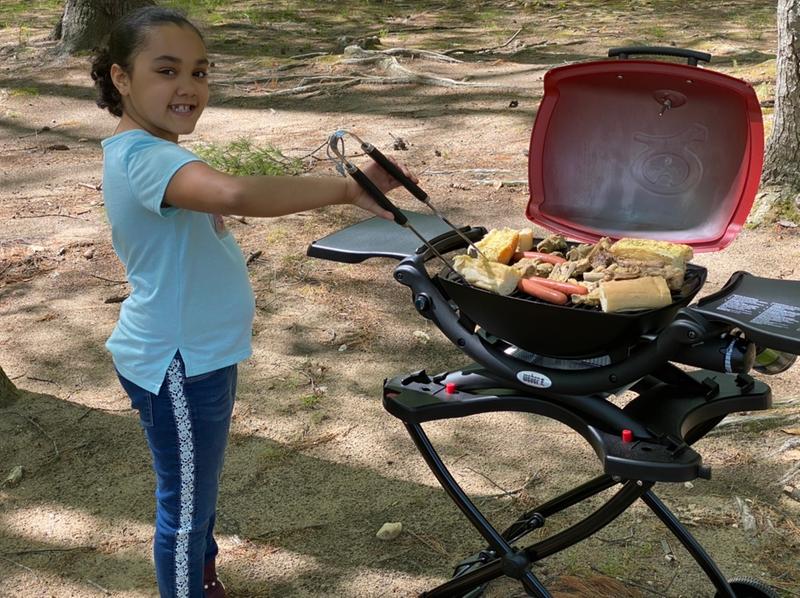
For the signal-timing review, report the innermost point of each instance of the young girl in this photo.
(187, 321)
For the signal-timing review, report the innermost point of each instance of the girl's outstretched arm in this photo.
(197, 186)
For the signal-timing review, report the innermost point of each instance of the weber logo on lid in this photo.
(534, 379)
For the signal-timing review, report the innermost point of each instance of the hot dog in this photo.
(545, 257)
(564, 287)
(534, 289)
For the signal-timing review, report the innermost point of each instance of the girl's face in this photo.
(166, 89)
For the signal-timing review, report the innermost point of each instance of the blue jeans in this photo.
(186, 426)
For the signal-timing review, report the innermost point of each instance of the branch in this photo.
(402, 75)
(47, 216)
(357, 55)
(108, 279)
(484, 50)
(314, 89)
(48, 550)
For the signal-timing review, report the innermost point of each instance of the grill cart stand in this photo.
(647, 441)
(675, 416)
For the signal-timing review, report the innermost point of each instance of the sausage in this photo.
(533, 288)
(545, 257)
(564, 287)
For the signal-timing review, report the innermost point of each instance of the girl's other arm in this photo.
(197, 186)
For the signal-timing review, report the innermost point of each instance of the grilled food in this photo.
(648, 292)
(529, 266)
(613, 276)
(648, 250)
(492, 276)
(499, 244)
(532, 286)
(525, 242)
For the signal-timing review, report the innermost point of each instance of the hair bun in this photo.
(107, 93)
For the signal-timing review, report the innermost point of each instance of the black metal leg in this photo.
(693, 546)
(523, 524)
(533, 586)
(509, 561)
(458, 586)
(576, 495)
(612, 509)
(492, 536)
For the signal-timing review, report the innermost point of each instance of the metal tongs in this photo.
(336, 146)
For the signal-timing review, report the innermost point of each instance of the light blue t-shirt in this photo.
(190, 291)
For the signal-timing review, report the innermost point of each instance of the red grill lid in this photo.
(640, 148)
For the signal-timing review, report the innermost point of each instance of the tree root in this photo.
(483, 50)
(358, 55)
(314, 85)
(790, 475)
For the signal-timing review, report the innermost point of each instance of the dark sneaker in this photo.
(212, 586)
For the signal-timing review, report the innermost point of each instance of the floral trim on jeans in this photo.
(183, 424)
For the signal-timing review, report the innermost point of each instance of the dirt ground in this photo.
(315, 464)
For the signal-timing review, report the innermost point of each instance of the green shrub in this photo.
(241, 157)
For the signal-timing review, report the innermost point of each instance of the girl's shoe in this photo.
(212, 586)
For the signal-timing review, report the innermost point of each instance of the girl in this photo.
(187, 321)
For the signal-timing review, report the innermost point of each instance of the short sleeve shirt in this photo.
(190, 291)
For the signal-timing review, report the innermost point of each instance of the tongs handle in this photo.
(390, 167)
(367, 185)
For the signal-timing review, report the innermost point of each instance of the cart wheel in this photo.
(749, 587)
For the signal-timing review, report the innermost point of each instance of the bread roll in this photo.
(649, 292)
(525, 241)
(499, 244)
(648, 250)
(498, 278)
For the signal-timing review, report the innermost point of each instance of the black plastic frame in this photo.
(692, 404)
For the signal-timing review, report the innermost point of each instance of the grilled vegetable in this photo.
(534, 289)
(529, 267)
(552, 243)
(545, 257)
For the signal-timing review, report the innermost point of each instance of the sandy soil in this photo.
(315, 464)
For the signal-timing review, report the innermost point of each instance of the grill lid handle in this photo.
(691, 56)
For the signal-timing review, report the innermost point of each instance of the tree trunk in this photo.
(8, 392)
(84, 24)
(782, 160)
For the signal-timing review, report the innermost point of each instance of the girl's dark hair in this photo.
(126, 38)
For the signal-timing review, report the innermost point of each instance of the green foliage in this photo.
(755, 22)
(311, 401)
(24, 91)
(655, 32)
(192, 5)
(787, 209)
(16, 13)
(241, 157)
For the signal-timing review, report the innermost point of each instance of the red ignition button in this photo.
(450, 388)
(627, 436)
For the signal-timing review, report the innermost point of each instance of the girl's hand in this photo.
(383, 180)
